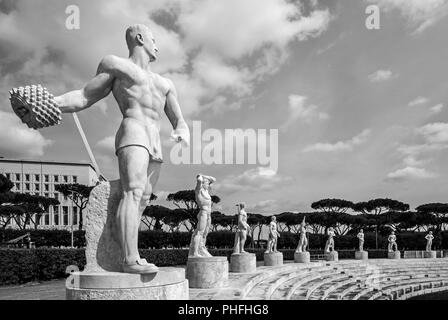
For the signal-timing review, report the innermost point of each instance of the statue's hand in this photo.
(181, 134)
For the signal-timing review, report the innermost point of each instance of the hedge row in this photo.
(147, 239)
(225, 239)
(18, 266)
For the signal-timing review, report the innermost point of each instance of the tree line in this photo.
(346, 217)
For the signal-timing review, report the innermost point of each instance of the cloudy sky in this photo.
(361, 113)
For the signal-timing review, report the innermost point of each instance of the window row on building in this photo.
(61, 216)
(38, 178)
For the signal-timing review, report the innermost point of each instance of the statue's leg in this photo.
(198, 235)
(236, 247)
(133, 164)
(243, 238)
(153, 174)
(208, 225)
(268, 246)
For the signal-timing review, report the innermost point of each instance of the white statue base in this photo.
(207, 272)
(394, 255)
(302, 257)
(332, 256)
(361, 255)
(167, 284)
(103, 277)
(243, 263)
(273, 259)
(430, 254)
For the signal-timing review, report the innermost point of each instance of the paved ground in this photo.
(52, 290)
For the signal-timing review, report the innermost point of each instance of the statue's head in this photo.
(430, 232)
(392, 232)
(140, 36)
(273, 218)
(362, 231)
(241, 205)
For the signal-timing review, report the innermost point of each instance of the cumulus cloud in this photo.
(300, 111)
(253, 179)
(435, 133)
(107, 144)
(347, 145)
(204, 59)
(409, 173)
(418, 101)
(437, 108)
(264, 206)
(232, 50)
(17, 140)
(380, 75)
(420, 14)
(435, 136)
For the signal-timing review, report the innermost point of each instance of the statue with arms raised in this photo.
(204, 201)
(142, 96)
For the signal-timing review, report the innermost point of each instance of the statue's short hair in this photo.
(133, 31)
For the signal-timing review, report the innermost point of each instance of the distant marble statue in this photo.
(241, 233)
(303, 241)
(361, 240)
(429, 237)
(204, 201)
(273, 236)
(392, 242)
(329, 246)
(142, 96)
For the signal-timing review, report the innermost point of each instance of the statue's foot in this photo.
(244, 252)
(140, 266)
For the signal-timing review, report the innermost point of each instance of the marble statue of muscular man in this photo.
(429, 237)
(392, 242)
(142, 97)
(241, 233)
(204, 201)
(273, 236)
(303, 241)
(360, 236)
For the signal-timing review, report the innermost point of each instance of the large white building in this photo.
(40, 178)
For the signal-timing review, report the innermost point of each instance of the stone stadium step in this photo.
(265, 288)
(393, 292)
(387, 288)
(375, 279)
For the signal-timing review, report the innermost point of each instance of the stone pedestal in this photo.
(430, 254)
(302, 257)
(167, 284)
(273, 259)
(103, 277)
(394, 255)
(332, 256)
(243, 263)
(207, 272)
(361, 255)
